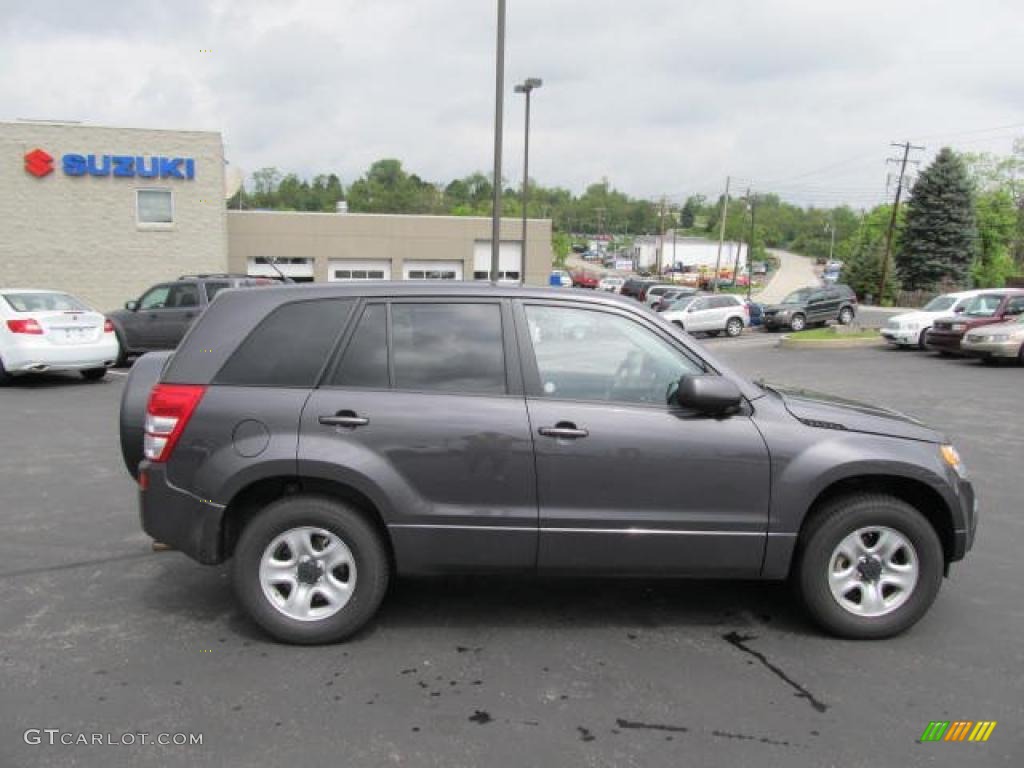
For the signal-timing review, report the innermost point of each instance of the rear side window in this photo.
(289, 347)
(448, 348)
(365, 362)
(212, 289)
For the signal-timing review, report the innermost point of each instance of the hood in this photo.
(781, 307)
(1011, 327)
(916, 317)
(830, 412)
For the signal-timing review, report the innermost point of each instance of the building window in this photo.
(154, 206)
(482, 274)
(432, 274)
(359, 274)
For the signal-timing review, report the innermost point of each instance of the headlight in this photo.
(999, 337)
(958, 326)
(953, 460)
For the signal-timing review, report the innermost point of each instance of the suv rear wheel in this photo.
(869, 567)
(734, 327)
(845, 315)
(310, 569)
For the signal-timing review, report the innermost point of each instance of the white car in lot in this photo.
(910, 328)
(711, 314)
(44, 331)
(611, 284)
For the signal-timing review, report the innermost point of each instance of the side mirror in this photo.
(959, 310)
(131, 306)
(709, 394)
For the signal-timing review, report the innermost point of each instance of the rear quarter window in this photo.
(289, 347)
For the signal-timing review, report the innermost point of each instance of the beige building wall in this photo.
(80, 234)
(364, 236)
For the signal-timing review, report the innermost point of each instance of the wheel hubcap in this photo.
(307, 573)
(873, 571)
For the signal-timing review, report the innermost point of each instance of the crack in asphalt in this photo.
(740, 642)
(71, 566)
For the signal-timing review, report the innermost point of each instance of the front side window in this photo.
(155, 206)
(584, 354)
(155, 298)
(1014, 307)
(289, 347)
(454, 348)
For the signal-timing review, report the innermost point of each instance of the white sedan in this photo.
(910, 328)
(53, 331)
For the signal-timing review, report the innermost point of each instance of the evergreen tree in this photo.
(940, 238)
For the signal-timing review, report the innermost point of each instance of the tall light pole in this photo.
(526, 87)
(499, 93)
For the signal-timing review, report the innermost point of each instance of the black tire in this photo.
(1020, 356)
(798, 322)
(840, 518)
(734, 327)
(846, 315)
(122, 351)
(5, 377)
(921, 339)
(93, 374)
(372, 568)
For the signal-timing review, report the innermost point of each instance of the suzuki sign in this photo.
(40, 163)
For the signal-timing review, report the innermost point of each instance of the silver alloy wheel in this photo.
(734, 327)
(873, 571)
(797, 323)
(845, 316)
(307, 573)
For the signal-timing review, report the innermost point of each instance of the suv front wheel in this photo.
(310, 569)
(846, 316)
(869, 566)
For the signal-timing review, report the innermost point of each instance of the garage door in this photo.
(510, 261)
(433, 270)
(346, 270)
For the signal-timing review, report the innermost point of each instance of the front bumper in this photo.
(772, 322)
(39, 355)
(900, 336)
(1007, 349)
(177, 518)
(944, 341)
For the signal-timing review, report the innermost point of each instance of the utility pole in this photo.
(527, 87)
(721, 233)
(750, 248)
(739, 249)
(499, 96)
(661, 239)
(907, 146)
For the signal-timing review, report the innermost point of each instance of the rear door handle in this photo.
(344, 419)
(564, 430)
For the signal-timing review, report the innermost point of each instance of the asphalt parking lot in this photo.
(100, 634)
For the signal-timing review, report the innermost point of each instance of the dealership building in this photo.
(105, 213)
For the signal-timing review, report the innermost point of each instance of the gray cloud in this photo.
(661, 97)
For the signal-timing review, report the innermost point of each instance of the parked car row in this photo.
(52, 331)
(987, 324)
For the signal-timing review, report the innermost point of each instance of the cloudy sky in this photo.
(661, 97)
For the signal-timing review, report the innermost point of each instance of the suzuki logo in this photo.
(38, 162)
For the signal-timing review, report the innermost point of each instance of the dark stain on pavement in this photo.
(480, 717)
(739, 642)
(638, 726)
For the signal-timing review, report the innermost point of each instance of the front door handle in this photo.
(564, 430)
(344, 419)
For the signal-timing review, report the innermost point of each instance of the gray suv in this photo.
(161, 316)
(330, 437)
(812, 306)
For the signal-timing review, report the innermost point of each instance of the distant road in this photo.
(795, 271)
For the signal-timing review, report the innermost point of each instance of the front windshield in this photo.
(797, 297)
(983, 306)
(940, 304)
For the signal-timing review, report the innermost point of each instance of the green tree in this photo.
(997, 226)
(862, 257)
(940, 237)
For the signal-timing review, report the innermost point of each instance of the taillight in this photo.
(25, 326)
(167, 414)
(108, 327)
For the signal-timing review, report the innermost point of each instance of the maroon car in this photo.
(583, 279)
(996, 306)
